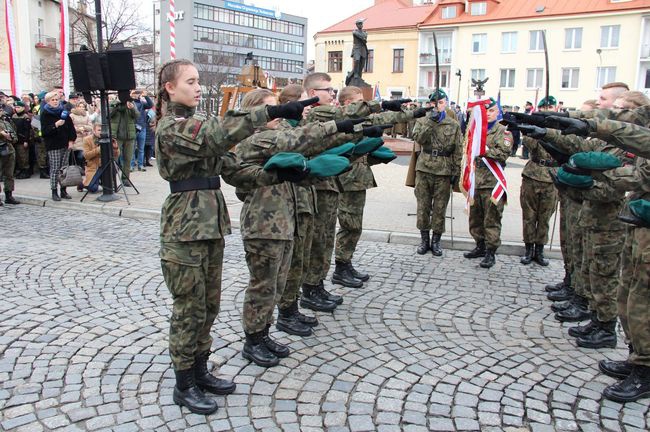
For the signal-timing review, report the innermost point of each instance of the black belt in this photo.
(546, 162)
(436, 153)
(195, 183)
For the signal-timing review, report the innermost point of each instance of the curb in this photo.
(403, 238)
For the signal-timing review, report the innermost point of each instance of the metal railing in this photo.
(429, 58)
(46, 42)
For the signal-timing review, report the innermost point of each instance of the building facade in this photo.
(590, 43)
(217, 35)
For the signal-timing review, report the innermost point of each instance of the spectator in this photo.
(59, 136)
(123, 116)
(142, 102)
(23, 129)
(150, 141)
(84, 127)
(92, 154)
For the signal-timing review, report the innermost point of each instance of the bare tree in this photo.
(215, 70)
(121, 22)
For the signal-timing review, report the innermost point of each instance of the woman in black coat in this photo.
(59, 135)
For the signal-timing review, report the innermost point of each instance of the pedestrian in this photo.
(142, 103)
(59, 136)
(84, 128)
(150, 138)
(22, 124)
(123, 116)
(93, 157)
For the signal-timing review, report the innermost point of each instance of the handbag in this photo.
(70, 175)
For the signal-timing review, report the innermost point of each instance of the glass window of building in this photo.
(370, 63)
(536, 41)
(335, 61)
(479, 43)
(398, 60)
(570, 77)
(573, 38)
(534, 78)
(507, 78)
(509, 42)
(609, 36)
(605, 75)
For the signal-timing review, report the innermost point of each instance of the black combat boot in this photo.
(64, 194)
(186, 393)
(489, 259)
(620, 369)
(323, 293)
(586, 329)
(566, 293)
(425, 244)
(558, 286)
(539, 255)
(343, 276)
(311, 299)
(477, 252)
(9, 198)
(23, 174)
(436, 250)
(305, 319)
(576, 312)
(256, 351)
(55, 195)
(208, 382)
(44, 174)
(632, 388)
(560, 306)
(278, 349)
(289, 322)
(363, 277)
(528, 256)
(604, 336)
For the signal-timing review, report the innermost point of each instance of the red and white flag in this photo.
(475, 143)
(65, 48)
(14, 64)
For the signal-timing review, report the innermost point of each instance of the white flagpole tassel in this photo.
(172, 30)
(14, 65)
(65, 34)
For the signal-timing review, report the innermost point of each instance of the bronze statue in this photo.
(359, 55)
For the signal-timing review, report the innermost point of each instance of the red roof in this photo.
(388, 14)
(520, 9)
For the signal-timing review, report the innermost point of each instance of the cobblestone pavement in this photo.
(429, 344)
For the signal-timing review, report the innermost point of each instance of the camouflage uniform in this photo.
(439, 160)
(41, 152)
(538, 194)
(194, 223)
(327, 193)
(268, 218)
(8, 162)
(485, 215)
(23, 130)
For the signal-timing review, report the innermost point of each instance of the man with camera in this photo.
(123, 115)
(8, 138)
(142, 102)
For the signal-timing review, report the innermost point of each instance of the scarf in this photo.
(54, 111)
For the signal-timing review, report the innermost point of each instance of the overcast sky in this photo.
(321, 14)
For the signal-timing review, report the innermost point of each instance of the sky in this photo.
(319, 16)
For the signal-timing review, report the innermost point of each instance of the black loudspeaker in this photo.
(112, 70)
(120, 69)
(79, 71)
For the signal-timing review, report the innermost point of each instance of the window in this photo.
(573, 38)
(444, 78)
(534, 78)
(478, 74)
(605, 75)
(570, 78)
(536, 41)
(398, 60)
(335, 61)
(508, 42)
(609, 36)
(479, 41)
(479, 8)
(448, 12)
(647, 79)
(507, 78)
(370, 63)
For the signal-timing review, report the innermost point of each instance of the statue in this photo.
(359, 56)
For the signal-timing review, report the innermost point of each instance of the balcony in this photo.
(430, 59)
(45, 42)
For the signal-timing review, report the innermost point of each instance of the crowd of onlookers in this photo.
(54, 131)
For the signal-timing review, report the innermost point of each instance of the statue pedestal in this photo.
(366, 89)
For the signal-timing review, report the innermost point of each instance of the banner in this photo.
(14, 64)
(474, 147)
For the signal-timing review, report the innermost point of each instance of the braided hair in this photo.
(168, 73)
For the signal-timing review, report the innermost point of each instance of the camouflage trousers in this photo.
(638, 299)
(320, 255)
(299, 259)
(350, 217)
(268, 264)
(571, 238)
(625, 279)
(432, 196)
(41, 154)
(575, 248)
(7, 167)
(22, 157)
(601, 261)
(538, 202)
(485, 219)
(192, 272)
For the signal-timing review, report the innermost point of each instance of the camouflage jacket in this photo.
(304, 192)
(189, 145)
(499, 144)
(8, 127)
(327, 112)
(270, 212)
(444, 137)
(538, 171)
(639, 116)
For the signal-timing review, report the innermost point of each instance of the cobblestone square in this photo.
(428, 344)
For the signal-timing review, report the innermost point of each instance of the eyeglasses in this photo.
(328, 89)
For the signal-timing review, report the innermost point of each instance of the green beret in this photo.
(367, 145)
(285, 160)
(20, 104)
(543, 103)
(343, 150)
(41, 95)
(437, 95)
(327, 165)
(383, 153)
(641, 209)
(574, 180)
(491, 103)
(597, 161)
